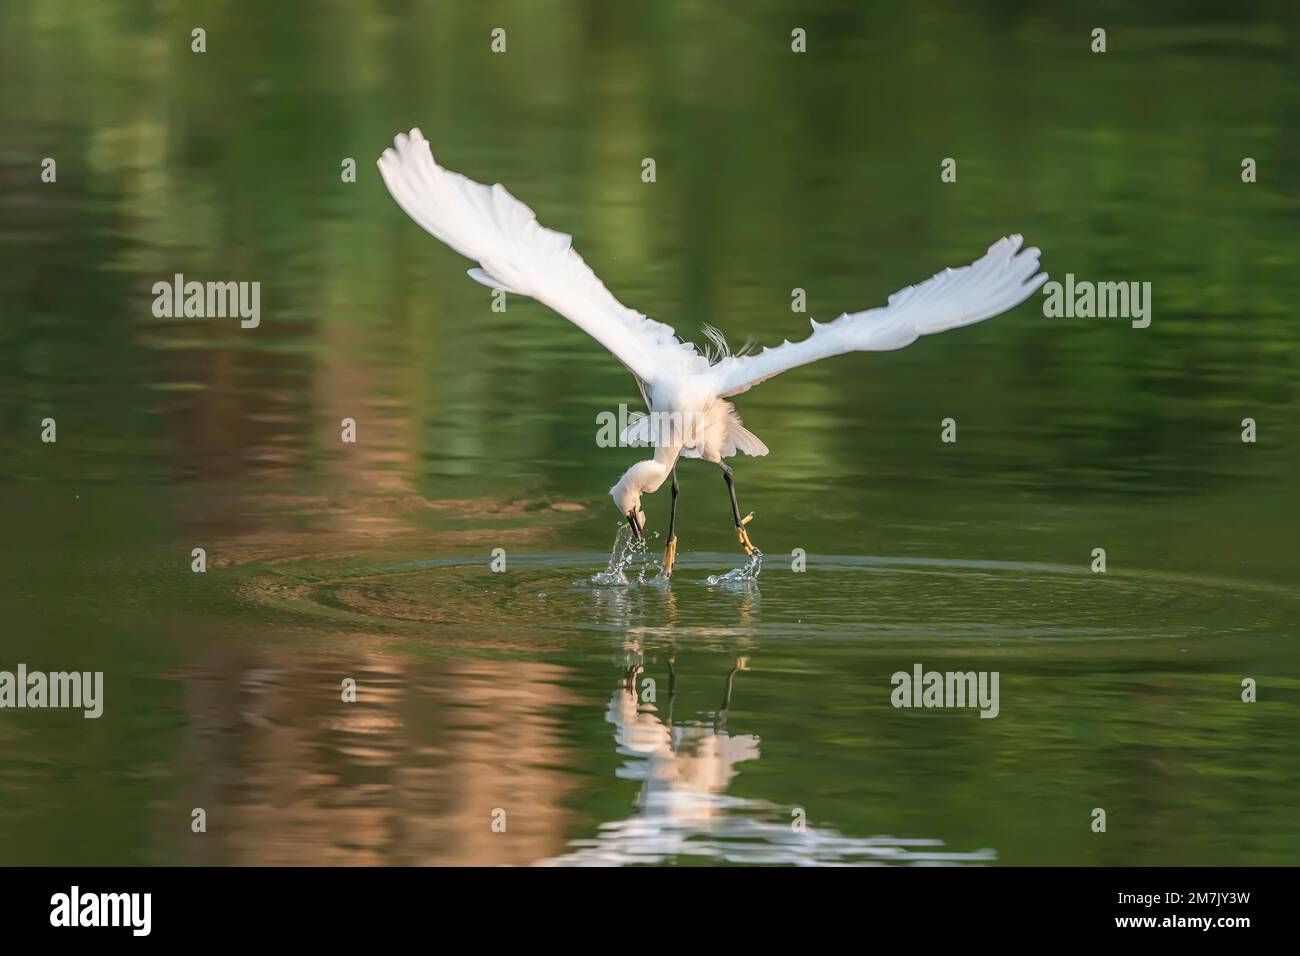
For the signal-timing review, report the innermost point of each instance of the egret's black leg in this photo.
(720, 719)
(730, 478)
(670, 549)
(741, 534)
(726, 691)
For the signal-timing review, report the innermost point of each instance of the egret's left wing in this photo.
(994, 283)
(518, 254)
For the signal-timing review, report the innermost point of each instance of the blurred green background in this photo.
(775, 171)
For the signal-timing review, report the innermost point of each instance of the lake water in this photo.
(644, 723)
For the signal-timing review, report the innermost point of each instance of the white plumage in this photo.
(516, 253)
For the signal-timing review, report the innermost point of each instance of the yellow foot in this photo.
(743, 536)
(670, 555)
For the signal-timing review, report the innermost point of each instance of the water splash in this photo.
(629, 558)
(742, 576)
(630, 562)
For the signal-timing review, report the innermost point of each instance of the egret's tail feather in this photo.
(724, 435)
(742, 439)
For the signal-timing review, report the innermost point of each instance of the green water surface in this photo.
(771, 736)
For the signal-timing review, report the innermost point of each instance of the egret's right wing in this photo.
(518, 254)
(994, 283)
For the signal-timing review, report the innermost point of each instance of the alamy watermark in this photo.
(60, 689)
(1100, 300)
(75, 908)
(946, 689)
(179, 299)
(632, 429)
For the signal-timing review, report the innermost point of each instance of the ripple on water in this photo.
(838, 596)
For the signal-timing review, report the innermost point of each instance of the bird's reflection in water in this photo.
(683, 809)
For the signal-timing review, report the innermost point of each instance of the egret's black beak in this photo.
(636, 528)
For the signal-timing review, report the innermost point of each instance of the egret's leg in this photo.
(741, 534)
(720, 718)
(670, 549)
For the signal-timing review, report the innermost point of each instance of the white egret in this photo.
(680, 384)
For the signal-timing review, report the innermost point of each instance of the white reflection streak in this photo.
(683, 808)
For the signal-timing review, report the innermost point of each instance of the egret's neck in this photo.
(645, 477)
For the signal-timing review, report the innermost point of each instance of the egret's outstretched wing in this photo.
(518, 254)
(1000, 280)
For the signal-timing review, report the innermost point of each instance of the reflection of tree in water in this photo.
(684, 810)
(408, 774)
(181, 177)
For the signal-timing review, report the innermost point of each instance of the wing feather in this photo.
(518, 254)
(1000, 280)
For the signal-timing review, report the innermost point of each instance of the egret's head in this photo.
(642, 477)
